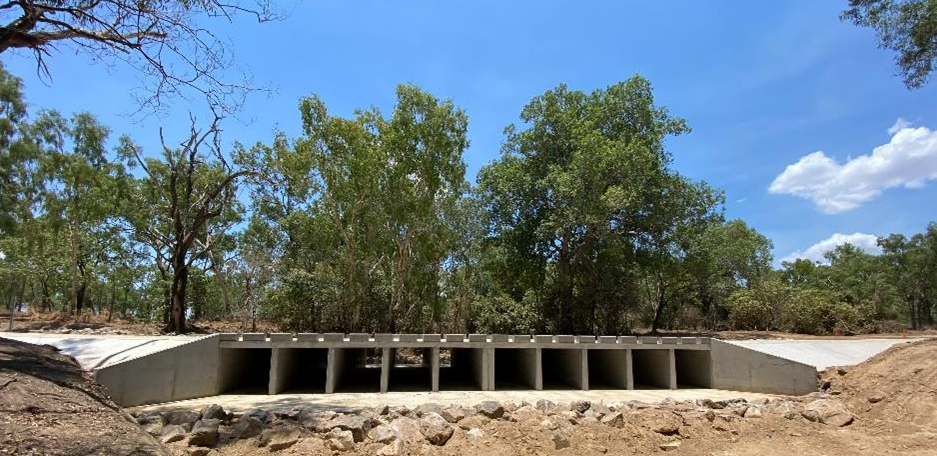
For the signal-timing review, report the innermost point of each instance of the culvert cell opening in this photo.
(411, 370)
(245, 370)
(353, 372)
(562, 368)
(464, 370)
(515, 368)
(694, 368)
(300, 370)
(651, 369)
(608, 369)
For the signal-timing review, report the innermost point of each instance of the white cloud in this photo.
(899, 125)
(866, 242)
(908, 160)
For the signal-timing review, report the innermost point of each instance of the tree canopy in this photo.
(163, 41)
(366, 223)
(907, 27)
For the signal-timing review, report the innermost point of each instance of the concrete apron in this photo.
(282, 365)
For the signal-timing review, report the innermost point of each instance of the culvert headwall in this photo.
(255, 363)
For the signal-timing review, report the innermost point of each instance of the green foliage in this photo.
(503, 315)
(817, 312)
(366, 223)
(907, 27)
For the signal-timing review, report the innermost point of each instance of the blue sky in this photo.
(762, 84)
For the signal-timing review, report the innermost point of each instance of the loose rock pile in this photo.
(391, 431)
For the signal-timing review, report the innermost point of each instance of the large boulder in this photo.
(316, 421)
(711, 404)
(407, 429)
(828, 411)
(401, 410)
(382, 434)
(280, 437)
(357, 425)
(172, 433)
(599, 409)
(423, 409)
(152, 423)
(615, 420)
(182, 417)
(435, 428)
(453, 414)
(340, 440)
(544, 405)
(580, 406)
(247, 427)
(261, 414)
(212, 412)
(491, 409)
(204, 433)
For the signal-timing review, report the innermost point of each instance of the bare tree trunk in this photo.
(180, 279)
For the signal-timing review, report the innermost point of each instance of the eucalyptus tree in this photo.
(583, 193)
(18, 156)
(385, 187)
(83, 192)
(912, 266)
(183, 203)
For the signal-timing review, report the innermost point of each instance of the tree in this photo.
(913, 268)
(180, 207)
(18, 156)
(907, 27)
(163, 40)
(726, 257)
(82, 192)
(582, 206)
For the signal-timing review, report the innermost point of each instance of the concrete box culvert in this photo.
(564, 368)
(610, 369)
(411, 377)
(693, 368)
(298, 370)
(244, 370)
(335, 362)
(517, 369)
(653, 369)
(348, 371)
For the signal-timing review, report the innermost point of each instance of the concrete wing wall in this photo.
(742, 369)
(183, 372)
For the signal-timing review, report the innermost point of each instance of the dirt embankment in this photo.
(49, 406)
(896, 389)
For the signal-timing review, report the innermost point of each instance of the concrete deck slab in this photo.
(822, 353)
(357, 401)
(97, 351)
